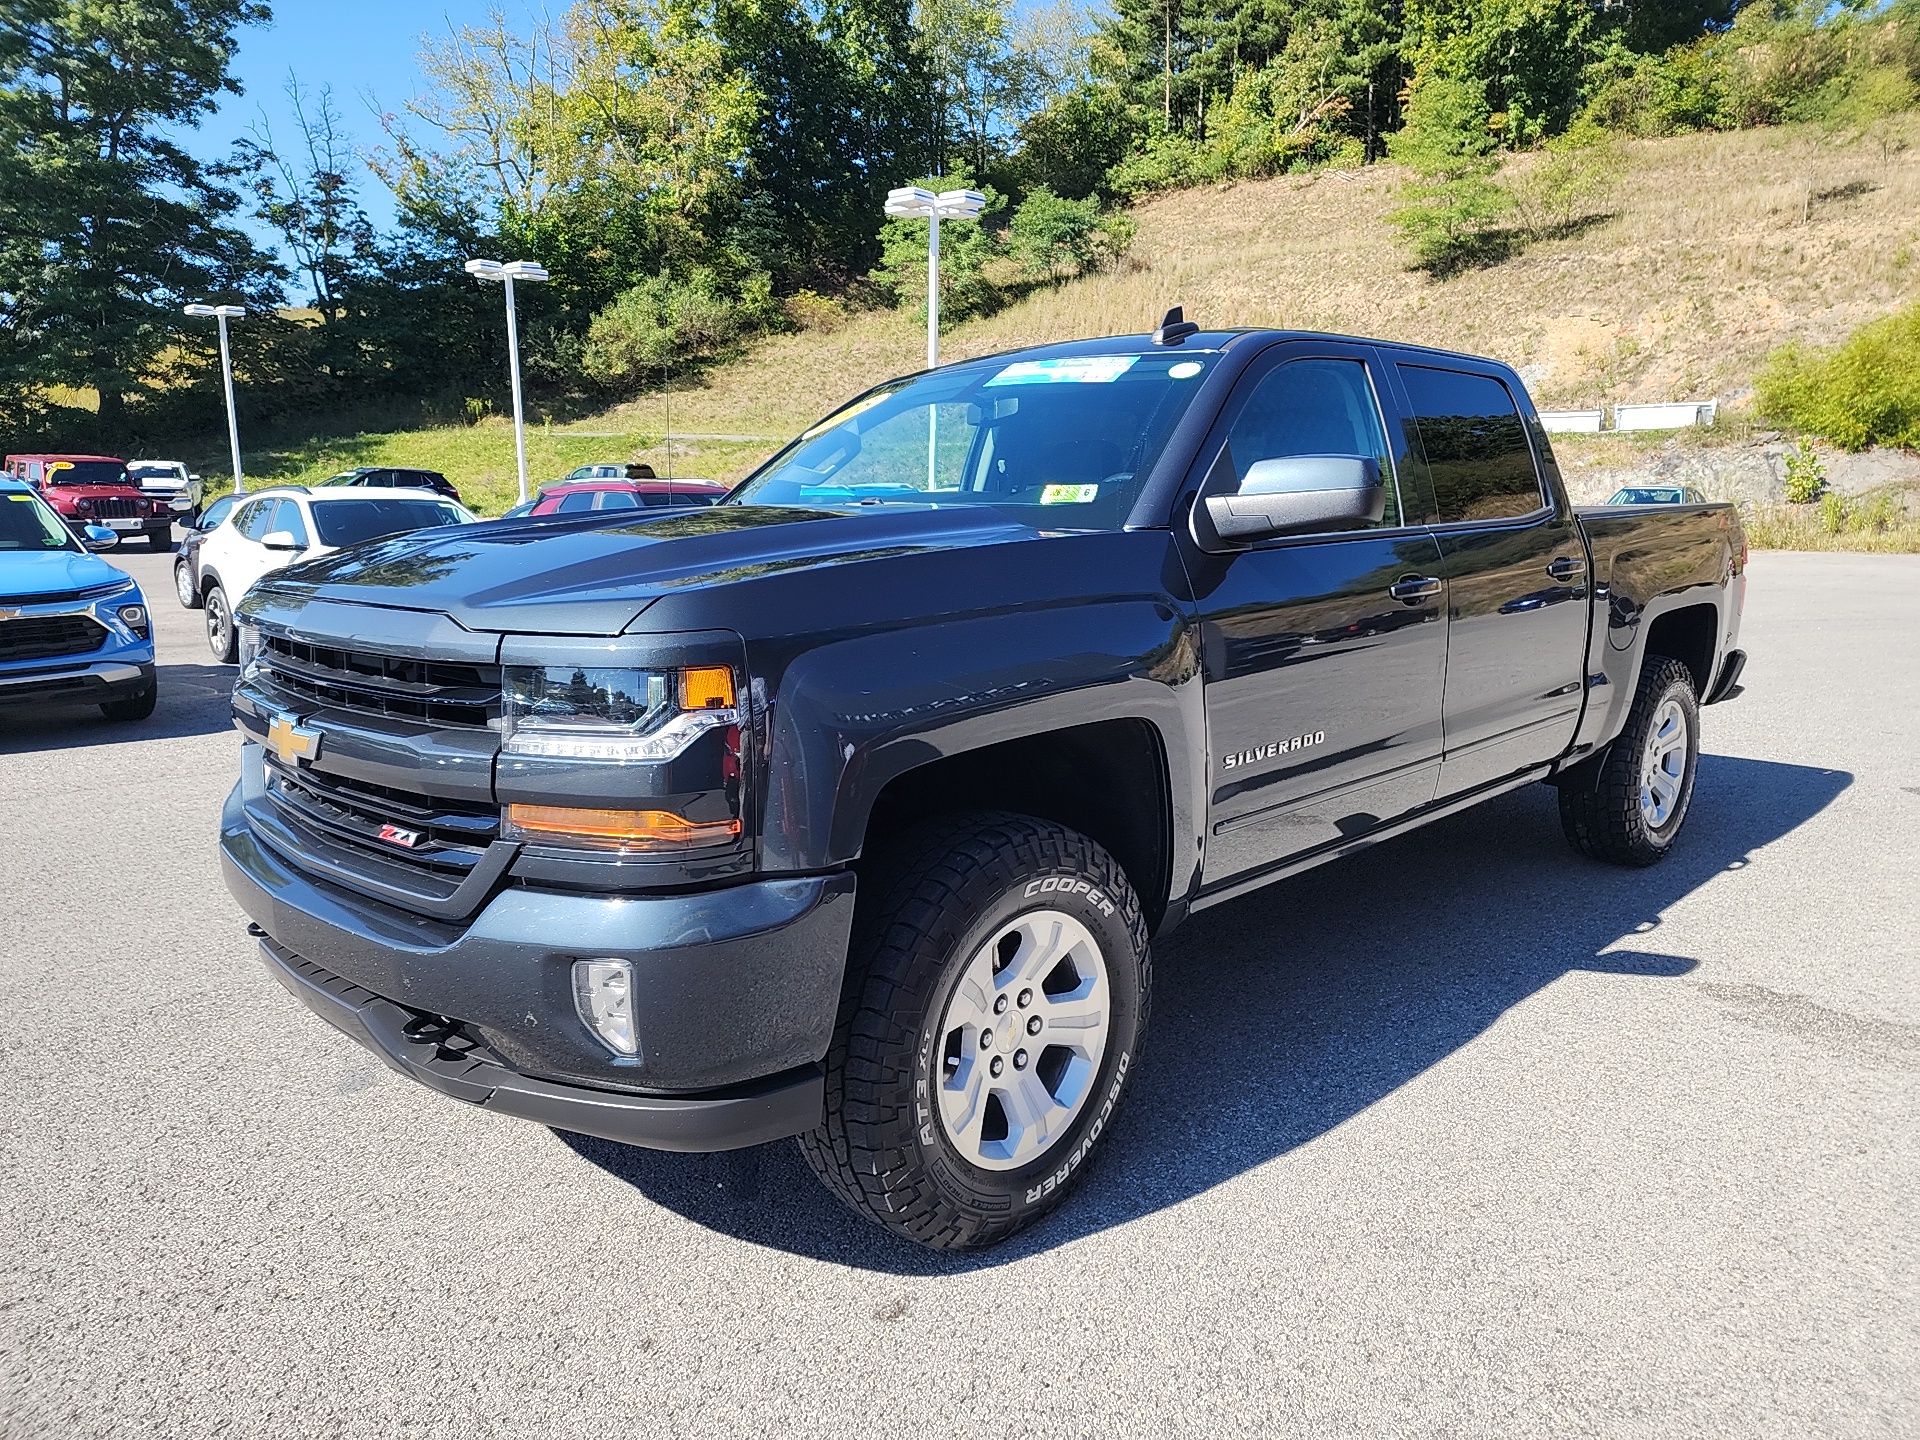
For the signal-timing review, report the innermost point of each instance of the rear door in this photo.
(1516, 573)
(236, 555)
(1323, 689)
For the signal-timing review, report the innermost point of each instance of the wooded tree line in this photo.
(693, 172)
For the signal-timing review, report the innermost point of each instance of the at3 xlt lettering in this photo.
(848, 808)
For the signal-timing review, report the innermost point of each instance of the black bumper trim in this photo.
(769, 1110)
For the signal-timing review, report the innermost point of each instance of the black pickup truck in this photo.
(846, 809)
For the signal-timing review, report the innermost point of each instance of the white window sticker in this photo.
(1069, 494)
(1185, 370)
(1074, 370)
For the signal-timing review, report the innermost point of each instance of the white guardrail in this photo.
(1670, 415)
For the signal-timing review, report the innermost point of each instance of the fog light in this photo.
(134, 617)
(603, 994)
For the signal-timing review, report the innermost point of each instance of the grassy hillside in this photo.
(1714, 249)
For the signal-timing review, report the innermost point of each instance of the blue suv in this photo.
(73, 629)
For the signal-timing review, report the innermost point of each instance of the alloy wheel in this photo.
(1663, 766)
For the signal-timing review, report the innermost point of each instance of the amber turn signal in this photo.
(706, 687)
(627, 829)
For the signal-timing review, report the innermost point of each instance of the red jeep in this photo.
(95, 490)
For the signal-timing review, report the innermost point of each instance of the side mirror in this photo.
(1293, 495)
(281, 540)
(98, 537)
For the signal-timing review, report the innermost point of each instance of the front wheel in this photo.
(221, 637)
(1628, 807)
(183, 587)
(995, 1003)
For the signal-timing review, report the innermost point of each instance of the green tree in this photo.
(106, 225)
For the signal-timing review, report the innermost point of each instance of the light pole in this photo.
(224, 313)
(506, 275)
(910, 201)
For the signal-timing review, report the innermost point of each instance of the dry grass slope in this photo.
(1715, 249)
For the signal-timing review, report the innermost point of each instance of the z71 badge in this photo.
(1271, 749)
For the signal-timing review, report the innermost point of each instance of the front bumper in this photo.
(735, 994)
(63, 682)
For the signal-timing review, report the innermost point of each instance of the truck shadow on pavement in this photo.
(193, 701)
(1283, 1014)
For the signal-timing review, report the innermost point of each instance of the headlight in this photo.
(631, 716)
(248, 644)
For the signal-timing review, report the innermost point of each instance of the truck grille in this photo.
(37, 637)
(440, 692)
(443, 837)
(113, 507)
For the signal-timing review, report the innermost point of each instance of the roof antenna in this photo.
(1174, 327)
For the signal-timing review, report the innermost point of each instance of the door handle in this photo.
(1412, 589)
(1565, 568)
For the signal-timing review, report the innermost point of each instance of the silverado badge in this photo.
(292, 741)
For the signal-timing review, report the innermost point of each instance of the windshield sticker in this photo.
(1185, 370)
(1069, 494)
(1076, 370)
(840, 417)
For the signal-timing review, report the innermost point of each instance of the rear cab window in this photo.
(1475, 443)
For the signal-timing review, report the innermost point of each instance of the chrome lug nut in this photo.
(986, 1039)
(1026, 998)
(1000, 1005)
(998, 1065)
(1033, 1025)
(1019, 1060)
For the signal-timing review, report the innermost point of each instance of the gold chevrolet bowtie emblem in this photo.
(291, 740)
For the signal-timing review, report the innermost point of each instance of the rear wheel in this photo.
(221, 638)
(1628, 807)
(183, 586)
(995, 1002)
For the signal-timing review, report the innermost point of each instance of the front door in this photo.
(1516, 572)
(1323, 688)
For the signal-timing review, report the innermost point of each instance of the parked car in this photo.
(845, 809)
(1657, 495)
(269, 529)
(73, 629)
(388, 477)
(596, 472)
(570, 497)
(94, 489)
(186, 555)
(166, 481)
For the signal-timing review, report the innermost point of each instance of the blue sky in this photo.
(364, 49)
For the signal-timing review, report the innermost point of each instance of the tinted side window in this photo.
(617, 500)
(288, 518)
(252, 521)
(217, 512)
(1476, 445)
(578, 500)
(1314, 407)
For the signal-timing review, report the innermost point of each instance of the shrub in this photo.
(1806, 476)
(1833, 511)
(663, 321)
(1054, 238)
(1864, 392)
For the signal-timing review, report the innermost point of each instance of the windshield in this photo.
(28, 523)
(87, 472)
(348, 522)
(1066, 440)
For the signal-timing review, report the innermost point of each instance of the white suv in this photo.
(274, 528)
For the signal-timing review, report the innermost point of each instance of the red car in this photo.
(95, 490)
(567, 498)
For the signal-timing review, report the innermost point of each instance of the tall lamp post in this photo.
(911, 202)
(224, 313)
(506, 274)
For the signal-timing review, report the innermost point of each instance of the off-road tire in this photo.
(137, 706)
(183, 587)
(1600, 807)
(223, 636)
(926, 908)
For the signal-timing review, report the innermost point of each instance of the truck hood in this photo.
(28, 578)
(596, 574)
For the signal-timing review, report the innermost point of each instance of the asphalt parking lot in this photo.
(1464, 1137)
